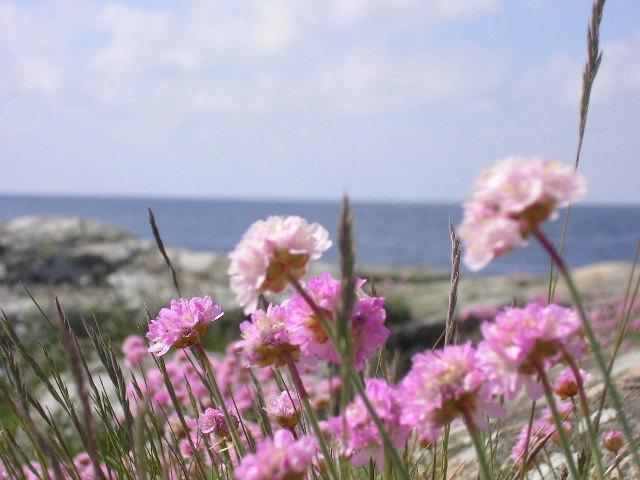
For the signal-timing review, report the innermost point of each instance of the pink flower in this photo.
(511, 199)
(212, 421)
(540, 430)
(282, 458)
(285, 409)
(183, 324)
(134, 350)
(85, 467)
(522, 340)
(368, 332)
(271, 251)
(266, 339)
(613, 440)
(356, 431)
(442, 385)
(566, 385)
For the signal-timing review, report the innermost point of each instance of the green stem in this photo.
(204, 358)
(311, 416)
(558, 420)
(485, 470)
(584, 406)
(593, 344)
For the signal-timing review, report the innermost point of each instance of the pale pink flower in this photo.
(566, 385)
(85, 467)
(356, 431)
(183, 324)
(541, 430)
(134, 350)
(280, 458)
(270, 252)
(522, 340)
(285, 409)
(367, 333)
(266, 340)
(510, 201)
(613, 440)
(212, 420)
(445, 384)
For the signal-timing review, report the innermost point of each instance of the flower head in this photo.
(134, 350)
(566, 384)
(266, 339)
(282, 458)
(272, 251)
(183, 324)
(213, 421)
(356, 430)
(522, 340)
(613, 440)
(368, 332)
(285, 409)
(442, 385)
(510, 201)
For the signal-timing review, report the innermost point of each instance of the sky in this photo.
(384, 99)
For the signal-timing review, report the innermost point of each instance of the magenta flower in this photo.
(442, 385)
(566, 385)
(510, 201)
(282, 458)
(134, 350)
(266, 339)
(212, 420)
(522, 340)
(270, 252)
(356, 431)
(285, 409)
(368, 332)
(183, 324)
(613, 440)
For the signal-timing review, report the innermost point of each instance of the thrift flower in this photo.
(356, 430)
(285, 409)
(183, 324)
(540, 430)
(280, 458)
(522, 340)
(442, 385)
(613, 441)
(510, 201)
(134, 350)
(566, 385)
(266, 339)
(212, 421)
(270, 252)
(368, 332)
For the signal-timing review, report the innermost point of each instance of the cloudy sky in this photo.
(387, 99)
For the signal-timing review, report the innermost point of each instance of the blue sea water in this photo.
(387, 234)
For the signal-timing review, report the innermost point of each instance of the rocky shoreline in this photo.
(95, 268)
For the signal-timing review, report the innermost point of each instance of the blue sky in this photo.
(385, 99)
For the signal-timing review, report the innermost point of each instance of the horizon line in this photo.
(247, 199)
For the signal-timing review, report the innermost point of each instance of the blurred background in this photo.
(204, 110)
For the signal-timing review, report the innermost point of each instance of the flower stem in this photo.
(558, 420)
(593, 344)
(474, 433)
(584, 406)
(311, 416)
(204, 358)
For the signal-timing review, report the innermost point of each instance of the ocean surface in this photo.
(387, 234)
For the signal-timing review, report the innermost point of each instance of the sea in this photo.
(387, 233)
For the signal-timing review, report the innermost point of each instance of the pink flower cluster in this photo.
(445, 384)
(183, 324)
(368, 332)
(270, 253)
(285, 409)
(521, 341)
(356, 431)
(280, 458)
(510, 201)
